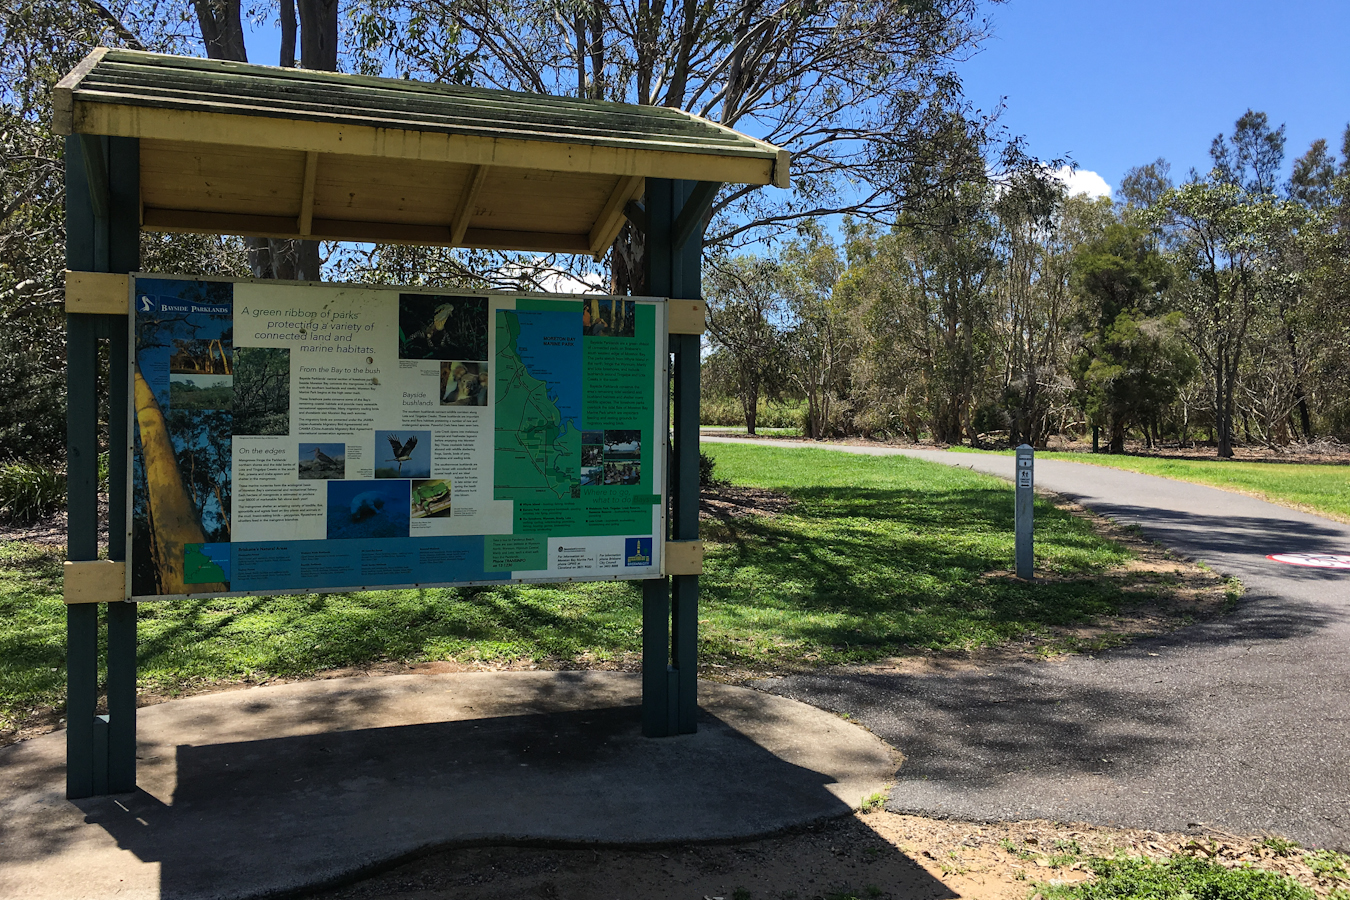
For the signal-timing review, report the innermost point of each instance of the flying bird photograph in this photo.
(403, 454)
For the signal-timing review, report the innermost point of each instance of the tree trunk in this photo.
(222, 29)
(1223, 412)
(318, 34)
(175, 519)
(1300, 395)
(287, 34)
(1117, 444)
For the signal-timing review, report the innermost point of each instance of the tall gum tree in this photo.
(855, 89)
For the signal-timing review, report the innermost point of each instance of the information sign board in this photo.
(325, 437)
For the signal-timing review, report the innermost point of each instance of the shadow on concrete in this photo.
(280, 814)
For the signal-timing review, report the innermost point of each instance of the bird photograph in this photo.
(408, 456)
(323, 461)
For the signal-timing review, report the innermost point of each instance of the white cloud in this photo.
(1084, 181)
(551, 280)
(567, 283)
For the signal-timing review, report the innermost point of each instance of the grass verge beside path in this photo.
(876, 557)
(1322, 489)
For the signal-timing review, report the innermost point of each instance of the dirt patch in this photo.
(51, 530)
(880, 854)
(724, 501)
(1320, 452)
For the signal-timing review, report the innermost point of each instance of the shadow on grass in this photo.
(861, 571)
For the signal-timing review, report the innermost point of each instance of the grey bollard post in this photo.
(1024, 526)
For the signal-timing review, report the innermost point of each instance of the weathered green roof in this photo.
(234, 148)
(156, 81)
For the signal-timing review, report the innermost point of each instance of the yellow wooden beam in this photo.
(198, 222)
(686, 316)
(782, 165)
(94, 581)
(63, 121)
(465, 208)
(682, 558)
(500, 239)
(611, 218)
(98, 292)
(392, 142)
(306, 222)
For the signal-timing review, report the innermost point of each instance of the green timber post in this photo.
(674, 251)
(102, 235)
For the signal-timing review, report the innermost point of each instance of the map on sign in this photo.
(538, 409)
(298, 438)
(206, 563)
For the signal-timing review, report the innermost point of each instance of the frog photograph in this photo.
(430, 498)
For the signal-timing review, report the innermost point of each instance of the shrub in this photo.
(706, 464)
(29, 491)
(726, 411)
(33, 416)
(1178, 878)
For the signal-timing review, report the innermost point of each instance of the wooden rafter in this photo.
(610, 220)
(464, 210)
(307, 194)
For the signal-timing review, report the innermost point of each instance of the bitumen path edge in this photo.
(1238, 721)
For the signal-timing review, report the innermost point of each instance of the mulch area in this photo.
(51, 530)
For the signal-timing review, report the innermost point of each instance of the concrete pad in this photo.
(253, 792)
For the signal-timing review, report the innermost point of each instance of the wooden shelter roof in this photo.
(234, 148)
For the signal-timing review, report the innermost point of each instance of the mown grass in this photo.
(1316, 488)
(878, 556)
(884, 554)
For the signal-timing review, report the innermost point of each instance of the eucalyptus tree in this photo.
(41, 40)
(746, 310)
(855, 89)
(1231, 277)
(1129, 364)
(1033, 299)
(819, 338)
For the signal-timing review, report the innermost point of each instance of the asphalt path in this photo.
(1240, 724)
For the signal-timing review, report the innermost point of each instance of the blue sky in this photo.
(1115, 85)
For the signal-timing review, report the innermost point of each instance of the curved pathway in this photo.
(1241, 724)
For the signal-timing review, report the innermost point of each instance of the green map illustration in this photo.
(537, 444)
(206, 563)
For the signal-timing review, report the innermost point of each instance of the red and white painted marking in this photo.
(1314, 560)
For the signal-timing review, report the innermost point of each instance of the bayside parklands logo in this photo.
(637, 551)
